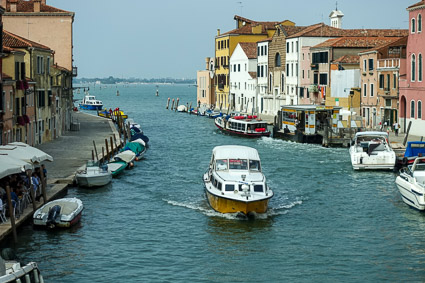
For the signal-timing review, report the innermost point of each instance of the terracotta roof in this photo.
(15, 41)
(250, 49)
(27, 6)
(355, 42)
(247, 28)
(416, 5)
(253, 74)
(60, 68)
(264, 40)
(348, 59)
(395, 42)
(322, 30)
(291, 30)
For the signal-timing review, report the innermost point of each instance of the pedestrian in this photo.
(396, 128)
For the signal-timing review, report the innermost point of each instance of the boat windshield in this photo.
(254, 165)
(221, 164)
(238, 164)
(420, 167)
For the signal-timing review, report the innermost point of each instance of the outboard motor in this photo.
(54, 213)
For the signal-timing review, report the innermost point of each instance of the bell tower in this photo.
(336, 17)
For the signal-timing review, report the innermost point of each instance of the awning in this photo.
(24, 152)
(9, 166)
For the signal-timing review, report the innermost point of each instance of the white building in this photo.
(243, 78)
(265, 101)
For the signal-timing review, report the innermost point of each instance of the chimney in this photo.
(13, 4)
(43, 2)
(37, 4)
(3, 3)
(218, 32)
(207, 63)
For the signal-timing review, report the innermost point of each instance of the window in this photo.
(364, 65)
(282, 82)
(265, 50)
(17, 71)
(320, 57)
(254, 165)
(395, 81)
(303, 74)
(296, 69)
(296, 46)
(292, 47)
(413, 67)
(41, 98)
(239, 67)
(315, 78)
(48, 65)
(412, 109)
(381, 81)
(292, 69)
(371, 90)
(23, 75)
(221, 164)
(287, 47)
(323, 79)
(258, 51)
(364, 90)
(270, 82)
(229, 188)
(277, 60)
(413, 26)
(420, 67)
(371, 64)
(388, 82)
(419, 109)
(419, 23)
(258, 188)
(262, 50)
(287, 70)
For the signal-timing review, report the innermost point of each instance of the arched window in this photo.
(412, 109)
(419, 23)
(413, 25)
(420, 67)
(413, 67)
(277, 60)
(419, 109)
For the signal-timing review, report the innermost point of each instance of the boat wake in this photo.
(208, 211)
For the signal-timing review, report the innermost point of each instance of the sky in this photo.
(172, 38)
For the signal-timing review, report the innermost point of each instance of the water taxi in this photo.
(90, 102)
(234, 182)
(247, 126)
(372, 150)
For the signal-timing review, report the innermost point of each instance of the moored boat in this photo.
(411, 184)
(121, 161)
(234, 181)
(372, 150)
(90, 102)
(63, 213)
(112, 114)
(413, 150)
(247, 126)
(13, 271)
(94, 175)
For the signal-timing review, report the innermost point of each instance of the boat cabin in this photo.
(309, 119)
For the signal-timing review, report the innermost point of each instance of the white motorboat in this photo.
(94, 175)
(64, 212)
(411, 184)
(12, 271)
(90, 102)
(246, 126)
(372, 150)
(234, 181)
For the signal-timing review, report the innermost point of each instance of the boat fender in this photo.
(131, 164)
(235, 191)
(137, 159)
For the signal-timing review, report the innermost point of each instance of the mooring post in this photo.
(107, 150)
(177, 104)
(168, 103)
(172, 105)
(112, 147)
(95, 151)
(12, 214)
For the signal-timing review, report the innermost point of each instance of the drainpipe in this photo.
(31, 49)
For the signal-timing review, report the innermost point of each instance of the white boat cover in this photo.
(114, 166)
(126, 156)
(235, 152)
(140, 141)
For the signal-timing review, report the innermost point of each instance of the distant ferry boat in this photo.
(247, 126)
(90, 102)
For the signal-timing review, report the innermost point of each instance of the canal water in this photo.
(153, 224)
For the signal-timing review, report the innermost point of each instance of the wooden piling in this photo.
(34, 207)
(43, 186)
(172, 105)
(407, 133)
(92, 154)
(95, 150)
(177, 104)
(189, 109)
(115, 142)
(112, 147)
(11, 214)
(107, 150)
(103, 154)
(168, 103)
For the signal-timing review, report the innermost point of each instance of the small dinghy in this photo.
(64, 212)
(121, 161)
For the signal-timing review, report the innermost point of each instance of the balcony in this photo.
(314, 67)
(313, 88)
(220, 86)
(388, 63)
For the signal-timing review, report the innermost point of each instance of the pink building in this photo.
(412, 86)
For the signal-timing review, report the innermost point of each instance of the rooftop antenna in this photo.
(336, 6)
(240, 3)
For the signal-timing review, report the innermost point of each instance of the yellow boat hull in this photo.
(226, 205)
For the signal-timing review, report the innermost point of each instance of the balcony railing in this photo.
(220, 86)
(388, 63)
(74, 71)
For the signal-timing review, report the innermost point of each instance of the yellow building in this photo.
(33, 78)
(246, 31)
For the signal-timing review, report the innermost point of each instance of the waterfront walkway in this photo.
(69, 152)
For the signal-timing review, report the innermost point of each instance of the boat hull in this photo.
(72, 210)
(411, 194)
(91, 107)
(226, 205)
(93, 181)
(243, 134)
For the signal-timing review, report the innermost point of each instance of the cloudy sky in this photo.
(171, 38)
